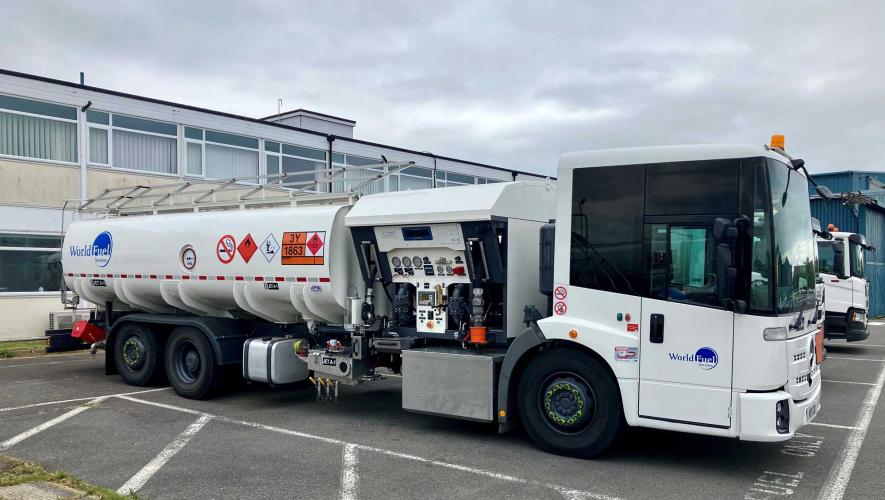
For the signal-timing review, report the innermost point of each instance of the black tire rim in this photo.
(134, 352)
(188, 363)
(567, 403)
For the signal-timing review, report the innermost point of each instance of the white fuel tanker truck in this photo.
(665, 287)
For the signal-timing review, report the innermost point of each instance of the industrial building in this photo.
(62, 141)
(859, 209)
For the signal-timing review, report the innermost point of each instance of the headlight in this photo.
(779, 333)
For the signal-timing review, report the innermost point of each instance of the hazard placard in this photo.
(247, 247)
(226, 249)
(303, 248)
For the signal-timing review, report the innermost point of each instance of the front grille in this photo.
(799, 357)
(802, 367)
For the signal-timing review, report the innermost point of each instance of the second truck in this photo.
(663, 287)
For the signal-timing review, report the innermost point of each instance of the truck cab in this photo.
(692, 271)
(846, 287)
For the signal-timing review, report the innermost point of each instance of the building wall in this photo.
(33, 189)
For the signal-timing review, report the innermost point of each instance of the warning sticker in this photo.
(560, 308)
(226, 249)
(269, 247)
(626, 354)
(560, 292)
(247, 248)
(304, 248)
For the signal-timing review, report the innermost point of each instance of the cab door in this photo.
(686, 344)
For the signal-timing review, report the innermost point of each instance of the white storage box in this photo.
(273, 360)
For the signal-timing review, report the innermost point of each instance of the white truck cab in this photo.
(846, 286)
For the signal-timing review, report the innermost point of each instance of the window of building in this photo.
(144, 145)
(29, 263)
(98, 124)
(449, 179)
(414, 178)
(301, 164)
(37, 129)
(195, 152)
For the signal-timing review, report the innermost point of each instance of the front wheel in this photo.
(569, 403)
(190, 364)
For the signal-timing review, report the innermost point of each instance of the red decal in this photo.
(168, 276)
(279, 278)
(632, 327)
(259, 278)
(247, 248)
(153, 276)
(325, 280)
(301, 280)
(239, 278)
(220, 278)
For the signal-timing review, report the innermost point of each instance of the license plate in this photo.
(811, 411)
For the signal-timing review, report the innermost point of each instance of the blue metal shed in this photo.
(867, 218)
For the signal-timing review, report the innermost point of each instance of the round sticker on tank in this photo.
(102, 248)
(188, 257)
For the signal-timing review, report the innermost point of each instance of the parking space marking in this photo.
(840, 474)
(846, 382)
(76, 400)
(46, 425)
(834, 426)
(855, 359)
(568, 493)
(47, 363)
(141, 477)
(349, 476)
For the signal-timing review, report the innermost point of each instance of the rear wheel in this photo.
(190, 364)
(139, 355)
(569, 403)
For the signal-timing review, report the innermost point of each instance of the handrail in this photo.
(263, 190)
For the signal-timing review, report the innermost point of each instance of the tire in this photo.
(190, 364)
(570, 404)
(138, 352)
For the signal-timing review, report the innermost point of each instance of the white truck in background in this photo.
(664, 287)
(846, 288)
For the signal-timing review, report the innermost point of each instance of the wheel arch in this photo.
(527, 346)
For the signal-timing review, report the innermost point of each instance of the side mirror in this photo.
(825, 192)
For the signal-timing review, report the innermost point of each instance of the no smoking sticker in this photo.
(560, 292)
(560, 296)
(560, 308)
(226, 249)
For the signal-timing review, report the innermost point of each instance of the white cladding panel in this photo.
(519, 200)
(301, 266)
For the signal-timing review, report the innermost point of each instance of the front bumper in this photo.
(757, 414)
(851, 326)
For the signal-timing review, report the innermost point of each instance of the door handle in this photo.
(656, 329)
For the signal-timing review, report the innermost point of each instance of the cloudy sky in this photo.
(514, 84)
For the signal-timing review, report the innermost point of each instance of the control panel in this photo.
(430, 257)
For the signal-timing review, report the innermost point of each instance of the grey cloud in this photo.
(509, 83)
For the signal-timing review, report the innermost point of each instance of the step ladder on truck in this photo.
(610, 299)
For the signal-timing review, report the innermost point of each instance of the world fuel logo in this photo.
(100, 249)
(705, 357)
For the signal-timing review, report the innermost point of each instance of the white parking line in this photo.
(566, 492)
(834, 426)
(137, 481)
(855, 359)
(349, 475)
(47, 363)
(840, 474)
(846, 382)
(76, 400)
(42, 427)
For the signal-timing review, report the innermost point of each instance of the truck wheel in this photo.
(569, 403)
(139, 355)
(190, 363)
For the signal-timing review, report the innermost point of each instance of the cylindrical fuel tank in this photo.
(280, 264)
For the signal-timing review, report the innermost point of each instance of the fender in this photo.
(226, 335)
(529, 339)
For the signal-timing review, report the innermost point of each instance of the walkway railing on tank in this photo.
(290, 188)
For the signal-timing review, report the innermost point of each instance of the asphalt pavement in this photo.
(264, 442)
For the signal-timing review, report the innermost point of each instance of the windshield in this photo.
(827, 254)
(857, 262)
(794, 245)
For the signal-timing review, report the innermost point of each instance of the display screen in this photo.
(425, 298)
(417, 233)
